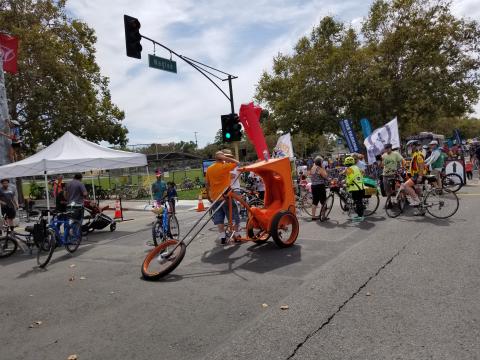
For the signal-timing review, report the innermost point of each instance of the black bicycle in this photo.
(371, 200)
(37, 237)
(452, 181)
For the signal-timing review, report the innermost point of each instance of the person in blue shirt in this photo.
(172, 196)
(159, 188)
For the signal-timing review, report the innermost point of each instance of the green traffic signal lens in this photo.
(228, 136)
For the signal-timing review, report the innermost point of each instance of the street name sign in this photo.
(160, 63)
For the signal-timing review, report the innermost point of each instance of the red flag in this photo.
(9, 52)
(250, 119)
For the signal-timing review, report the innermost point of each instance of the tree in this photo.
(59, 86)
(413, 59)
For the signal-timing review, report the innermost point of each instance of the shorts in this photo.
(319, 194)
(222, 213)
(415, 178)
(9, 212)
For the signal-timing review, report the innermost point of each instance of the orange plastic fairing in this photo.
(277, 177)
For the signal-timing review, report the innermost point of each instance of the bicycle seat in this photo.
(430, 178)
(29, 228)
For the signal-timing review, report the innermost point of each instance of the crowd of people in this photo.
(316, 173)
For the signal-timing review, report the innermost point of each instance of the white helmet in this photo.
(433, 142)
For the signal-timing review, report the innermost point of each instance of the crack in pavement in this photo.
(340, 308)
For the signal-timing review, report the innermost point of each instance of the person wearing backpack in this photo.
(436, 161)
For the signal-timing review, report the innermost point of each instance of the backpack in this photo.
(440, 162)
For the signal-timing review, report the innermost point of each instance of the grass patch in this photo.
(188, 194)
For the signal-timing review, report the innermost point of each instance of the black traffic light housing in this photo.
(231, 128)
(132, 37)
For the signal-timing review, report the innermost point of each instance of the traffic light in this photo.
(231, 128)
(132, 36)
(237, 129)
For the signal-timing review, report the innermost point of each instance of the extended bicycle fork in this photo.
(166, 255)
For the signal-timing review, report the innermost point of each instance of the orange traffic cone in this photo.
(200, 206)
(118, 210)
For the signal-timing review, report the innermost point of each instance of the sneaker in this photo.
(358, 219)
(414, 202)
(221, 239)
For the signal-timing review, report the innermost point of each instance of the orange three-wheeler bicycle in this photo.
(276, 219)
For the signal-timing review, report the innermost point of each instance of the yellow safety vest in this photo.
(354, 178)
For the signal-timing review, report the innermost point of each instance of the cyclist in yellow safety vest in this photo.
(416, 171)
(355, 186)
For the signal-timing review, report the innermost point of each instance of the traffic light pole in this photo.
(205, 70)
(235, 143)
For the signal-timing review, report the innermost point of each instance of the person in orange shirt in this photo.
(217, 179)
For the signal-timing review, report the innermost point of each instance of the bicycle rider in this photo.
(217, 179)
(436, 161)
(76, 193)
(159, 189)
(355, 186)
(8, 201)
(416, 172)
(391, 162)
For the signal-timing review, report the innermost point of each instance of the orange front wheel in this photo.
(156, 265)
(284, 229)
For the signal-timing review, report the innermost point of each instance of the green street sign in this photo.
(160, 63)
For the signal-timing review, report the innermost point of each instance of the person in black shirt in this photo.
(8, 201)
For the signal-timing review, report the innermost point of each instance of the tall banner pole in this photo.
(4, 141)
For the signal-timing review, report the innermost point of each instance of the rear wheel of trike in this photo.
(256, 233)
(284, 229)
(156, 265)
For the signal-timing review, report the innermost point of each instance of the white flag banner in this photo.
(284, 147)
(387, 134)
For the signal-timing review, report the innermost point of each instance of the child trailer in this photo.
(95, 219)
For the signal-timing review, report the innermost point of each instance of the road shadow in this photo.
(258, 258)
(59, 255)
(367, 224)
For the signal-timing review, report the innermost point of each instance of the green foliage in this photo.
(59, 86)
(182, 146)
(412, 59)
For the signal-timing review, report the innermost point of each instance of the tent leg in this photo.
(149, 187)
(48, 195)
(93, 188)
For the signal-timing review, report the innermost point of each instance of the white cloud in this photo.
(240, 37)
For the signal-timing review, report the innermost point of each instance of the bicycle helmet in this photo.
(349, 161)
(413, 143)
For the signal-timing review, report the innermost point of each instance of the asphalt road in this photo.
(405, 288)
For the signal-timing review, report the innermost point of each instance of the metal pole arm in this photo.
(197, 65)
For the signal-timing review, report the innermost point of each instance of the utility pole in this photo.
(196, 141)
(4, 143)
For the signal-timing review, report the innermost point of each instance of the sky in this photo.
(238, 37)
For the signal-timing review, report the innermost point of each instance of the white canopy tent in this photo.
(71, 154)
